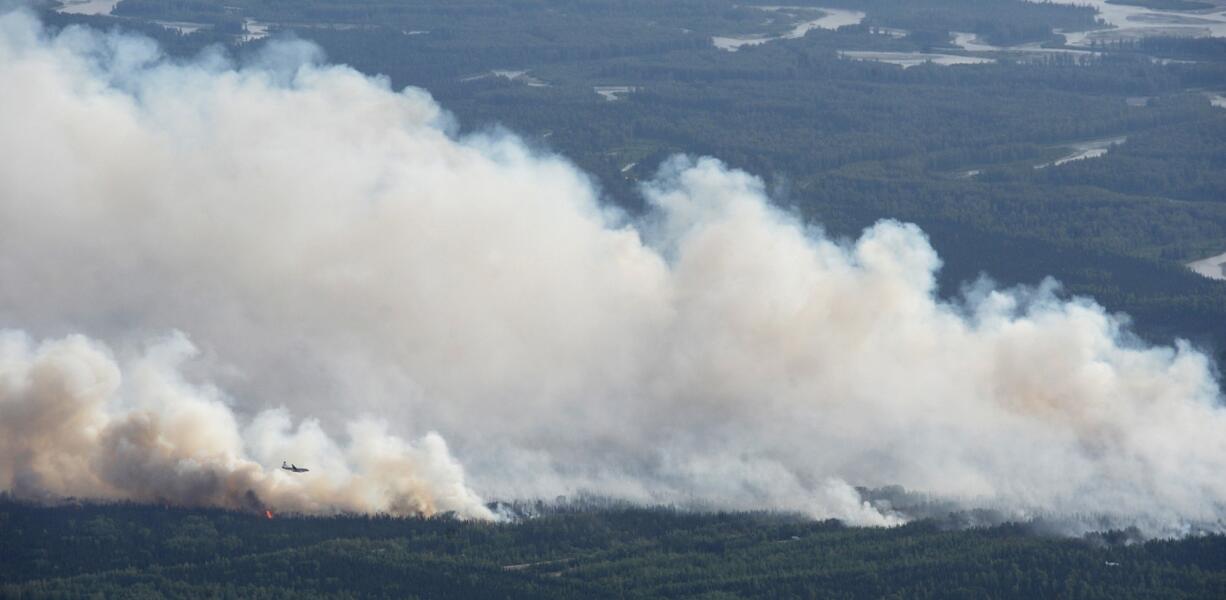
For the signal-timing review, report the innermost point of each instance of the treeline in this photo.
(1208, 48)
(1166, 4)
(705, 16)
(1000, 22)
(1184, 162)
(169, 40)
(128, 551)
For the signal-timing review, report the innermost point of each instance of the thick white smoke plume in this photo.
(334, 252)
(76, 423)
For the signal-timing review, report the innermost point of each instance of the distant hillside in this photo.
(125, 551)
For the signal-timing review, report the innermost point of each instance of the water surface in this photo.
(614, 92)
(1134, 22)
(832, 18)
(1086, 149)
(88, 7)
(912, 59)
(1213, 267)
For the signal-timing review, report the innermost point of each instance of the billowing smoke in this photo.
(73, 422)
(336, 252)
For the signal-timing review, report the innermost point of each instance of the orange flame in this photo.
(268, 513)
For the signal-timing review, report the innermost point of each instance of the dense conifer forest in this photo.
(132, 551)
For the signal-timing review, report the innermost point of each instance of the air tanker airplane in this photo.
(293, 468)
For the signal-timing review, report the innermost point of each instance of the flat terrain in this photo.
(141, 551)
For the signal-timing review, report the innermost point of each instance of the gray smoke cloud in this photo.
(210, 267)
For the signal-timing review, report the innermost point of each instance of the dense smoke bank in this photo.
(73, 422)
(335, 252)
